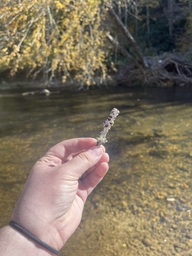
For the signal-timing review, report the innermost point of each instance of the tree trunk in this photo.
(148, 25)
(136, 20)
(119, 47)
(190, 14)
(170, 16)
(131, 40)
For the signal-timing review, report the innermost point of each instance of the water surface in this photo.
(143, 206)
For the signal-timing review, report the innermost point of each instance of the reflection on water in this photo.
(143, 206)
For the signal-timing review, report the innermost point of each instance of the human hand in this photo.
(51, 205)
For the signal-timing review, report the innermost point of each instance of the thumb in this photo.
(78, 165)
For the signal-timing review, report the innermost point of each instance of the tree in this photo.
(79, 40)
(148, 4)
(53, 37)
(185, 39)
(170, 16)
(62, 38)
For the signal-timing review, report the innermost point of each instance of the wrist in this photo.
(14, 243)
(40, 228)
(33, 238)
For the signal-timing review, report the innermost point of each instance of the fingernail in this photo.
(97, 151)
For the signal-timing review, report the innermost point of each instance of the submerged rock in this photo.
(44, 92)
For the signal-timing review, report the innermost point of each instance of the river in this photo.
(144, 204)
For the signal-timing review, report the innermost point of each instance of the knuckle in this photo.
(88, 158)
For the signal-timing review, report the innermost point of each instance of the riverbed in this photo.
(144, 204)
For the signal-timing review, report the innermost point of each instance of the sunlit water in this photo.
(144, 204)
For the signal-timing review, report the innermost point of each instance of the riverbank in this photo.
(167, 70)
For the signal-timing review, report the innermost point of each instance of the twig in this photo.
(107, 126)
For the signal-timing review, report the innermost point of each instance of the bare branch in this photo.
(128, 35)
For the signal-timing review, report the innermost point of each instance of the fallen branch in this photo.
(170, 71)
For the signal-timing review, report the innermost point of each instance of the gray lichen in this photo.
(107, 126)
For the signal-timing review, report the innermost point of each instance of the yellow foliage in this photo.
(62, 35)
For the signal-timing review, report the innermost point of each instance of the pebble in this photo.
(184, 185)
(125, 203)
(161, 195)
(189, 235)
(171, 199)
(153, 248)
(147, 242)
(171, 185)
(161, 214)
(174, 226)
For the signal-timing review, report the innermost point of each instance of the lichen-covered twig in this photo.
(107, 126)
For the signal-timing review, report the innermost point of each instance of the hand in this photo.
(51, 205)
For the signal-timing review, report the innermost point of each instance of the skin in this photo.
(53, 198)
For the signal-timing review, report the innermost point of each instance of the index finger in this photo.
(67, 147)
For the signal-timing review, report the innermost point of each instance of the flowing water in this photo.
(144, 204)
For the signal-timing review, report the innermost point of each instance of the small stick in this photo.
(107, 126)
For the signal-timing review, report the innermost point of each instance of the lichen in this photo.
(108, 123)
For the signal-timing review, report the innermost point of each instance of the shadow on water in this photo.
(143, 206)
